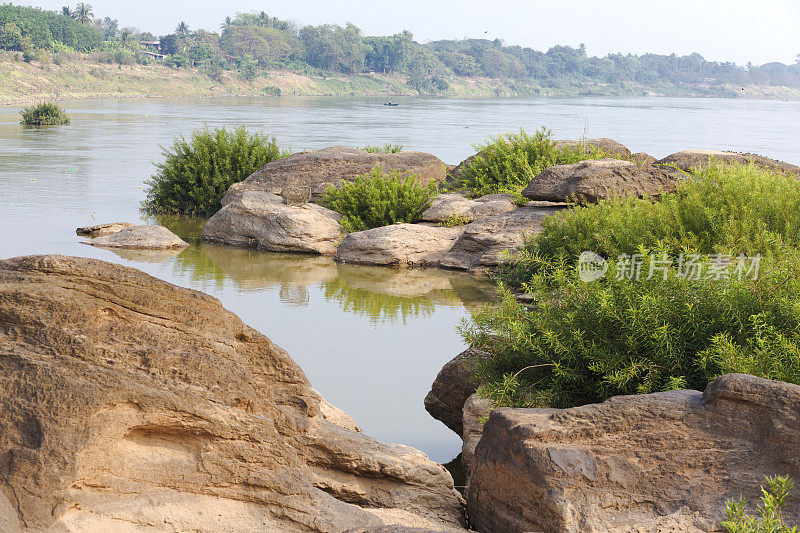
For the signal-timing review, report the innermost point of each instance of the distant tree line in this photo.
(253, 42)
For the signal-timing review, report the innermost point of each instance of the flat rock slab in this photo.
(315, 171)
(146, 237)
(257, 219)
(601, 179)
(656, 462)
(101, 230)
(128, 403)
(483, 243)
(688, 159)
(610, 147)
(398, 245)
(446, 206)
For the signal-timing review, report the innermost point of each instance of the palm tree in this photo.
(83, 13)
(225, 24)
(66, 11)
(182, 29)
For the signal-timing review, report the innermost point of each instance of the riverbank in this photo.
(81, 78)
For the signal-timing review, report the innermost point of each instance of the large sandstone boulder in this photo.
(689, 159)
(600, 179)
(609, 146)
(130, 404)
(451, 388)
(398, 245)
(315, 171)
(257, 219)
(483, 242)
(656, 462)
(474, 414)
(146, 237)
(445, 206)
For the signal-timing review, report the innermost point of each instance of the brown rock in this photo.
(689, 159)
(656, 462)
(609, 146)
(101, 230)
(451, 388)
(317, 170)
(445, 206)
(593, 180)
(398, 245)
(146, 237)
(643, 158)
(474, 414)
(483, 242)
(130, 403)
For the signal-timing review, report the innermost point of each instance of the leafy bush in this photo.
(385, 149)
(271, 90)
(585, 342)
(380, 199)
(508, 163)
(43, 27)
(770, 510)
(196, 174)
(454, 219)
(44, 114)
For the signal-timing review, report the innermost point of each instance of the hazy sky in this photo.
(724, 30)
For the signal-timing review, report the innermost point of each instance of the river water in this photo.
(371, 340)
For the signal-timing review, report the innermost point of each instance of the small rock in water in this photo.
(140, 238)
(101, 230)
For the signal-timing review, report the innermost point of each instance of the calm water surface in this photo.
(371, 340)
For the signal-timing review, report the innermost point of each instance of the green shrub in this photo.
(454, 219)
(380, 199)
(271, 90)
(770, 510)
(385, 149)
(508, 163)
(196, 173)
(44, 114)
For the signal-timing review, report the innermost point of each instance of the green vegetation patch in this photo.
(197, 173)
(380, 198)
(770, 517)
(44, 114)
(385, 149)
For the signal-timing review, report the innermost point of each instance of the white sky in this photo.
(723, 30)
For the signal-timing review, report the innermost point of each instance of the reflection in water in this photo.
(145, 256)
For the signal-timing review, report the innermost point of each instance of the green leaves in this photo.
(380, 199)
(770, 510)
(44, 114)
(196, 174)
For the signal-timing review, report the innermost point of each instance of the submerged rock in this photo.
(445, 206)
(398, 245)
(609, 146)
(101, 230)
(315, 171)
(130, 403)
(689, 159)
(657, 462)
(483, 243)
(257, 219)
(146, 237)
(601, 179)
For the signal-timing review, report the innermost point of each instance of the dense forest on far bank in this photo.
(254, 46)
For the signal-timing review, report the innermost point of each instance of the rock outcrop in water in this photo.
(101, 230)
(398, 245)
(128, 403)
(145, 237)
(451, 388)
(656, 462)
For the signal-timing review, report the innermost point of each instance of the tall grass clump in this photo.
(196, 173)
(44, 114)
(664, 329)
(385, 149)
(380, 198)
(770, 517)
(508, 163)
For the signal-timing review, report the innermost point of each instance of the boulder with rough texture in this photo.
(658, 462)
(609, 146)
(689, 159)
(317, 170)
(398, 245)
(130, 404)
(482, 243)
(446, 206)
(451, 388)
(101, 230)
(474, 414)
(146, 237)
(643, 158)
(600, 179)
(257, 219)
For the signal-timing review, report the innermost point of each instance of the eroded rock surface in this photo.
(145, 237)
(130, 404)
(257, 219)
(451, 388)
(656, 462)
(593, 180)
(398, 245)
(643, 158)
(446, 206)
(689, 159)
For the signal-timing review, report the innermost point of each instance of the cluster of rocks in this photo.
(658, 462)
